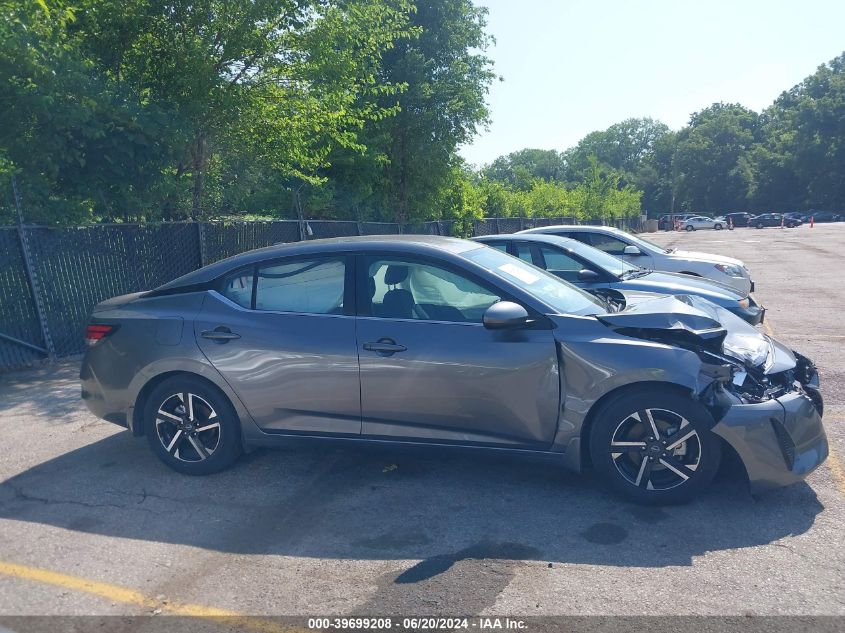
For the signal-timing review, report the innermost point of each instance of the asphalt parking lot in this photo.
(92, 523)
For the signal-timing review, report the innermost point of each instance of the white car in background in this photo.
(640, 252)
(701, 222)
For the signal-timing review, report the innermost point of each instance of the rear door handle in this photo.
(220, 334)
(384, 346)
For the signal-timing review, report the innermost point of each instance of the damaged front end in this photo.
(764, 397)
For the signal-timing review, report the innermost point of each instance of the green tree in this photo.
(623, 147)
(461, 200)
(76, 140)
(633, 150)
(142, 108)
(708, 172)
(520, 169)
(800, 163)
(447, 76)
(278, 82)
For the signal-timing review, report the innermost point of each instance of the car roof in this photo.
(574, 228)
(545, 238)
(411, 244)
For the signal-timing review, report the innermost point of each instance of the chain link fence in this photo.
(50, 278)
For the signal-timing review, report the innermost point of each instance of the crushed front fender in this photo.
(780, 441)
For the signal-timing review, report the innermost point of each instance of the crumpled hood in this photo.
(665, 312)
(706, 257)
(692, 318)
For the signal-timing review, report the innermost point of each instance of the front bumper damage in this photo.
(770, 412)
(774, 423)
(780, 441)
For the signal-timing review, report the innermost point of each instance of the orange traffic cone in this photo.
(811, 221)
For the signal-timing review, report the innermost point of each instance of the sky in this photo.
(570, 67)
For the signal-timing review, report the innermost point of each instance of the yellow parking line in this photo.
(768, 328)
(833, 462)
(115, 593)
(836, 469)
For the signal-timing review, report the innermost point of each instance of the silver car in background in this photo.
(605, 275)
(638, 251)
(697, 222)
(435, 341)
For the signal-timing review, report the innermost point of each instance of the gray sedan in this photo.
(447, 343)
(604, 275)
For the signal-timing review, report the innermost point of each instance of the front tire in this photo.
(191, 426)
(654, 446)
(759, 225)
(690, 228)
(717, 227)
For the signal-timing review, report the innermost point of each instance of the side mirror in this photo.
(505, 315)
(632, 250)
(588, 276)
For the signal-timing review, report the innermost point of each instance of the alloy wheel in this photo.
(187, 427)
(656, 449)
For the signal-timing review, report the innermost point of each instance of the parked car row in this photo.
(640, 252)
(609, 277)
(692, 222)
(550, 343)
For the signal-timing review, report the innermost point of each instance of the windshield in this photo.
(563, 297)
(641, 241)
(611, 264)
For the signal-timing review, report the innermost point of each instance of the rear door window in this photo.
(237, 287)
(312, 286)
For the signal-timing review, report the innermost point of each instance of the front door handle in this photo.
(384, 346)
(220, 334)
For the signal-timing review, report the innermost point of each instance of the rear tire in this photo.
(759, 225)
(717, 226)
(671, 465)
(690, 228)
(191, 426)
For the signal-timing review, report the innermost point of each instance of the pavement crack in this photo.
(20, 495)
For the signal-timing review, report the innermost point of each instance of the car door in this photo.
(282, 334)
(430, 370)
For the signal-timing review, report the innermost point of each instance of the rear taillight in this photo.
(96, 331)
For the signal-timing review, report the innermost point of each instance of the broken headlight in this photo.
(752, 349)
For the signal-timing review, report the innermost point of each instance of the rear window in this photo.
(311, 286)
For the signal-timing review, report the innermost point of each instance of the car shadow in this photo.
(439, 508)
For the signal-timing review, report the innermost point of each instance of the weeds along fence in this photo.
(51, 277)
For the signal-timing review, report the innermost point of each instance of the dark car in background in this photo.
(825, 216)
(797, 215)
(609, 277)
(445, 343)
(738, 219)
(773, 219)
(667, 222)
